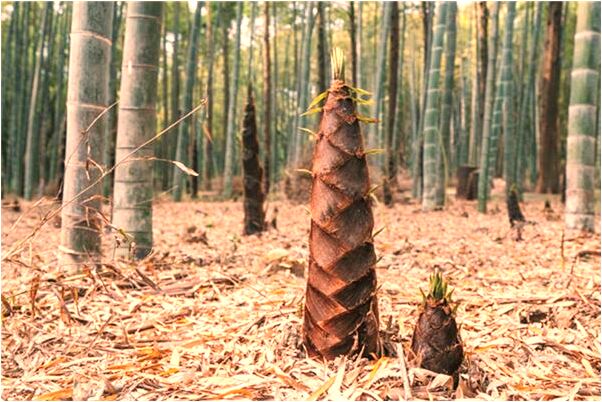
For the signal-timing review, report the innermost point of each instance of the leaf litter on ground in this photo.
(220, 317)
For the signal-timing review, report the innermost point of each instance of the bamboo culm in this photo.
(491, 114)
(87, 97)
(230, 128)
(184, 132)
(33, 140)
(446, 105)
(431, 119)
(133, 188)
(583, 121)
(508, 115)
(389, 179)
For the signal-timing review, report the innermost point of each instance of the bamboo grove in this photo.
(507, 90)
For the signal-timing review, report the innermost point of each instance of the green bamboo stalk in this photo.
(250, 78)
(482, 60)
(459, 132)
(108, 155)
(392, 107)
(527, 91)
(508, 105)
(172, 136)
(9, 96)
(432, 112)
(251, 28)
(208, 142)
(184, 132)
(229, 155)
(33, 140)
(322, 51)
(197, 121)
(583, 120)
(289, 83)
(133, 190)
(225, 24)
(58, 139)
(464, 143)
(162, 143)
(87, 97)
(519, 155)
(293, 86)
(275, 103)
(303, 84)
(476, 123)
(446, 105)
(491, 117)
(268, 98)
(21, 65)
(43, 120)
(533, 133)
(417, 171)
(399, 139)
(416, 133)
(375, 139)
(353, 39)
(597, 183)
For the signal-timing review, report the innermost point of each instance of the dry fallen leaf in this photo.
(220, 325)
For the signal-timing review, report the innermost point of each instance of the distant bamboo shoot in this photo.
(252, 171)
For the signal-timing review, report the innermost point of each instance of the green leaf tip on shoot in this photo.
(308, 131)
(312, 111)
(373, 189)
(305, 172)
(438, 289)
(378, 232)
(337, 62)
(366, 119)
(319, 98)
(374, 151)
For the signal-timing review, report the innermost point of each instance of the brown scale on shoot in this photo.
(436, 343)
(341, 312)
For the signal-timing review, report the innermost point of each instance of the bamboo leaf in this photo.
(373, 197)
(360, 92)
(361, 101)
(207, 133)
(126, 237)
(373, 189)
(308, 131)
(374, 151)
(449, 295)
(378, 232)
(184, 168)
(319, 98)
(305, 171)
(423, 295)
(366, 119)
(312, 111)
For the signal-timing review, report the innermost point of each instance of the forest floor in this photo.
(212, 314)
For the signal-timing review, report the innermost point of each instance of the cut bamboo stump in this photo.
(468, 180)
